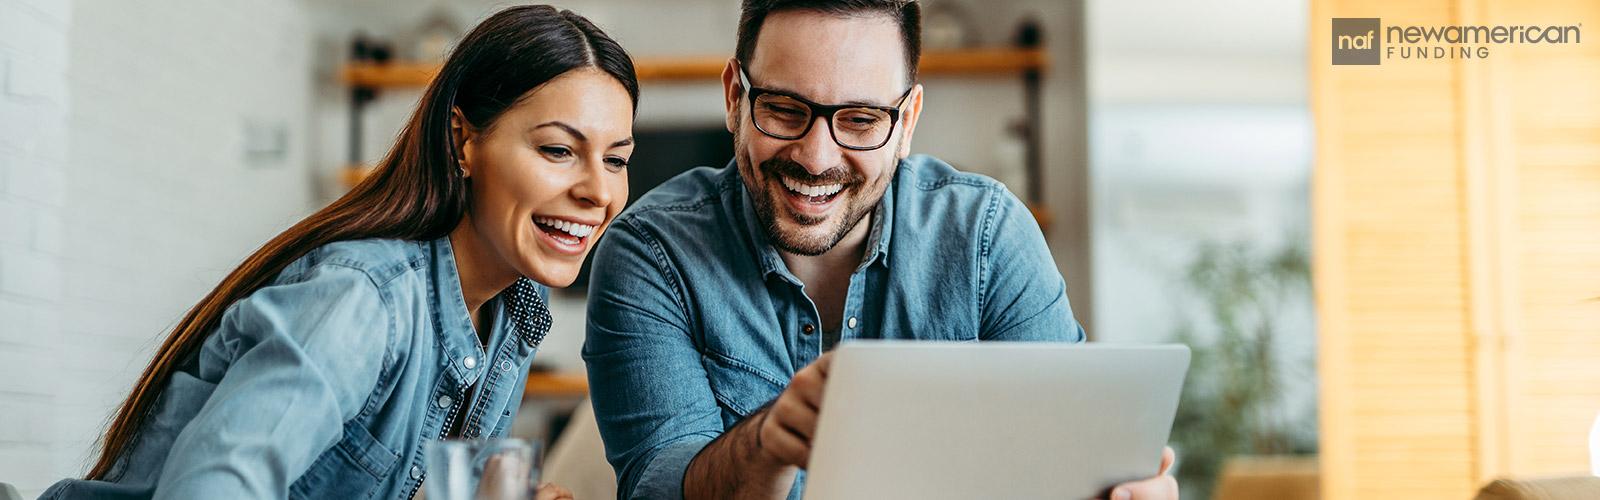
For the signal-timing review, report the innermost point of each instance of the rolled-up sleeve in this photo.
(651, 395)
(296, 361)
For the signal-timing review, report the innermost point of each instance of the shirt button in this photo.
(416, 472)
(444, 401)
(808, 329)
(469, 362)
(852, 322)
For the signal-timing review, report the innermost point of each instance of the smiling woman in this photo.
(405, 311)
(547, 177)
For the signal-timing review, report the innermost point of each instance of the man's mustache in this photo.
(796, 171)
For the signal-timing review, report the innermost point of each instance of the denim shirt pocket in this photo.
(740, 389)
(352, 469)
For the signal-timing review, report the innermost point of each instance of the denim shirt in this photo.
(327, 382)
(694, 321)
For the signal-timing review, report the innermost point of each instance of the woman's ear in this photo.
(461, 137)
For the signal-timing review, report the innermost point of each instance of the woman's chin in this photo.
(560, 279)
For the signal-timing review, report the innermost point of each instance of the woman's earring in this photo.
(463, 171)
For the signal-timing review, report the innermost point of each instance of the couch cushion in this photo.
(1558, 488)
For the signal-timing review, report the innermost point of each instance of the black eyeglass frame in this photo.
(821, 110)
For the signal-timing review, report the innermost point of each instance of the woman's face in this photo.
(549, 175)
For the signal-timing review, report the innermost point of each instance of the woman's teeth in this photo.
(572, 228)
(811, 190)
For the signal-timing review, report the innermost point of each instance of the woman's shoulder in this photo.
(379, 260)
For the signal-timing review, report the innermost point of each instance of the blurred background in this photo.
(1166, 147)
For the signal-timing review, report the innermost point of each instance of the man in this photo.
(715, 297)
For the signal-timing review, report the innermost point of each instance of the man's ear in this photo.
(913, 110)
(732, 92)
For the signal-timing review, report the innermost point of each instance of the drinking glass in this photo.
(483, 469)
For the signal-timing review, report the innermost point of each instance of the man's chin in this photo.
(800, 222)
(802, 234)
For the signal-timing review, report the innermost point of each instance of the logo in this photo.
(1360, 41)
(1357, 41)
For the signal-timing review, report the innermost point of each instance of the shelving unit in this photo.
(985, 61)
(365, 79)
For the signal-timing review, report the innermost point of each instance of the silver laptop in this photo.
(1013, 420)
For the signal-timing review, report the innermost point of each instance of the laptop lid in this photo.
(1014, 420)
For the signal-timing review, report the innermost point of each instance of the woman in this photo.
(409, 309)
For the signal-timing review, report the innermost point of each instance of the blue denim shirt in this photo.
(327, 382)
(695, 322)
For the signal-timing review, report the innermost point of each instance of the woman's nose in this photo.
(594, 186)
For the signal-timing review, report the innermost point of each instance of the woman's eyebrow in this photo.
(563, 126)
(579, 135)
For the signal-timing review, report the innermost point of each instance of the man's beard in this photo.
(857, 207)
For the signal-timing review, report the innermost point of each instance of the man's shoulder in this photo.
(699, 190)
(690, 190)
(929, 191)
(926, 174)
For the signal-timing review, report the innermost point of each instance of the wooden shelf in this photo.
(983, 61)
(557, 385)
(980, 61)
(353, 174)
(995, 61)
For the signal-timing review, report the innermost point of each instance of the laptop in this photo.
(1014, 420)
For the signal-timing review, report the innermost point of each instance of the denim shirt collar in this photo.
(520, 305)
(767, 256)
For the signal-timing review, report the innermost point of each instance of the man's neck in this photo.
(827, 276)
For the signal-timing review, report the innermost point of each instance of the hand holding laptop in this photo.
(1159, 486)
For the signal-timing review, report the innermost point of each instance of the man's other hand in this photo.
(1159, 487)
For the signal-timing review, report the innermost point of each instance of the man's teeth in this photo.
(572, 228)
(811, 190)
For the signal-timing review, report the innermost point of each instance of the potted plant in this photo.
(1233, 399)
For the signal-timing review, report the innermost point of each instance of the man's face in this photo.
(810, 192)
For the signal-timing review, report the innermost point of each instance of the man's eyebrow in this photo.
(568, 128)
(852, 102)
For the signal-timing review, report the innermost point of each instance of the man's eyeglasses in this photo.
(788, 117)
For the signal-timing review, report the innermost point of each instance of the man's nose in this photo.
(817, 151)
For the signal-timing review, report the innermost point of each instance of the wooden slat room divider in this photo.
(1456, 244)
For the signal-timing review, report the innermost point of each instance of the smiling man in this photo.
(715, 298)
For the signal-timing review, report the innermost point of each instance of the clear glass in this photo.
(483, 469)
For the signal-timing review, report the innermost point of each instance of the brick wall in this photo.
(34, 110)
(104, 245)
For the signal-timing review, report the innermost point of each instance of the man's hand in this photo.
(758, 457)
(785, 430)
(1159, 487)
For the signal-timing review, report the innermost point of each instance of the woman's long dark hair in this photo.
(416, 193)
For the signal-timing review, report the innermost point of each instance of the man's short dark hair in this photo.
(906, 13)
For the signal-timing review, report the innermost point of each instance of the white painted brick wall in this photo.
(125, 195)
(34, 108)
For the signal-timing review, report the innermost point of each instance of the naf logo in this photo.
(1357, 40)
